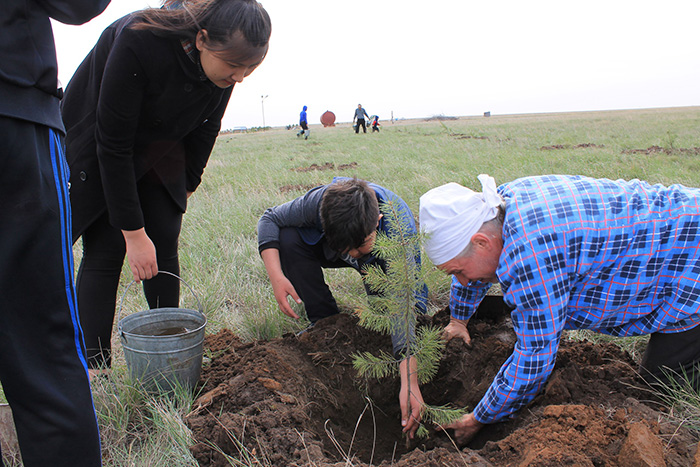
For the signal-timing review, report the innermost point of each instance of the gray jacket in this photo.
(304, 213)
(360, 113)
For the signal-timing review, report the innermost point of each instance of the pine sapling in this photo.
(392, 309)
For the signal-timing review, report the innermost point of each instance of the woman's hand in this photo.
(141, 254)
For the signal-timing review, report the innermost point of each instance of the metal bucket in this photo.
(163, 347)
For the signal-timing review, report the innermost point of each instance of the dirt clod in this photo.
(325, 166)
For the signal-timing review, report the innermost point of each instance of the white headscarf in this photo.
(451, 214)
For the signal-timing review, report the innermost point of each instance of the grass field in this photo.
(249, 172)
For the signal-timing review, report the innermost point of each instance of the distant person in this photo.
(143, 112)
(304, 124)
(359, 119)
(42, 357)
(375, 124)
(617, 257)
(334, 226)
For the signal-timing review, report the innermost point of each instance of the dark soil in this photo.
(289, 188)
(658, 150)
(463, 136)
(568, 146)
(297, 401)
(325, 166)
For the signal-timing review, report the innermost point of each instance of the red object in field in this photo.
(328, 118)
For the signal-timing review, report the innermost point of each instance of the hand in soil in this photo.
(465, 428)
(410, 398)
(458, 328)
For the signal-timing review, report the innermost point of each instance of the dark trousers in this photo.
(673, 355)
(103, 256)
(42, 357)
(303, 265)
(360, 121)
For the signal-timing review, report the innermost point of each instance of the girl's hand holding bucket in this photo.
(141, 254)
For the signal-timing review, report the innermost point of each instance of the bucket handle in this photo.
(196, 297)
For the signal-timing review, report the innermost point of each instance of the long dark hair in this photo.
(183, 19)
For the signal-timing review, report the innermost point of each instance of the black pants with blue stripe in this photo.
(42, 357)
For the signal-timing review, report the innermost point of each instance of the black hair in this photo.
(183, 19)
(349, 214)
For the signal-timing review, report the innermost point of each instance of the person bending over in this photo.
(142, 112)
(570, 252)
(335, 226)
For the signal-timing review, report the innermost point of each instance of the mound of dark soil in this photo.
(569, 146)
(297, 401)
(658, 149)
(325, 166)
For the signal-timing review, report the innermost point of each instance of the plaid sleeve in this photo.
(535, 276)
(539, 289)
(464, 300)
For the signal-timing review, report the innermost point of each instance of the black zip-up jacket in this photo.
(28, 69)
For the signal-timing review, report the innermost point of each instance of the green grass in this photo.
(249, 172)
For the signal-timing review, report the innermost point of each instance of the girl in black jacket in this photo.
(142, 113)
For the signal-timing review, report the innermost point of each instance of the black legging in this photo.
(103, 256)
(360, 121)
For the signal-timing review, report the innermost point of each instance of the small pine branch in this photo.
(422, 432)
(375, 318)
(376, 279)
(442, 415)
(374, 366)
(429, 347)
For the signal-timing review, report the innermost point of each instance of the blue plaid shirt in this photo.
(616, 257)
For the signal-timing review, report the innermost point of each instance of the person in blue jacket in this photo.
(571, 252)
(334, 226)
(304, 124)
(375, 123)
(42, 357)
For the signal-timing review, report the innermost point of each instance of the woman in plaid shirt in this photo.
(570, 252)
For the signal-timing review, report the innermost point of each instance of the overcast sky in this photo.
(453, 57)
